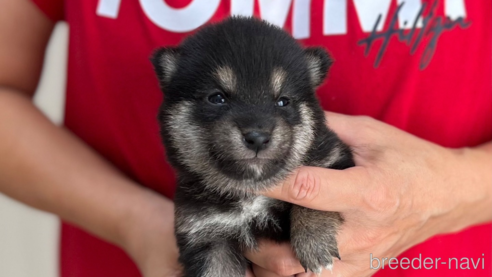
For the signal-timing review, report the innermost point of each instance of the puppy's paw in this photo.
(313, 237)
(316, 253)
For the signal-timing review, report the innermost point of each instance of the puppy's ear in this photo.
(318, 62)
(165, 61)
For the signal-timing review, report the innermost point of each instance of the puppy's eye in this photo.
(217, 98)
(282, 102)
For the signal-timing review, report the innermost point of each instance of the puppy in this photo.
(240, 114)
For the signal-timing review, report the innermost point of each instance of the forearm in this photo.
(468, 182)
(480, 167)
(48, 168)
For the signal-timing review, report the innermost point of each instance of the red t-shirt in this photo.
(431, 77)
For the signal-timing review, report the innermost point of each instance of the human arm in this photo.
(49, 168)
(403, 191)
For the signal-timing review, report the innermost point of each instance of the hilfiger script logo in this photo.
(429, 25)
(408, 22)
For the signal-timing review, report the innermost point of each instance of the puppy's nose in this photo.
(256, 141)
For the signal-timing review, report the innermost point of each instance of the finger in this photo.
(275, 257)
(308, 274)
(357, 131)
(261, 272)
(337, 121)
(249, 273)
(342, 125)
(323, 189)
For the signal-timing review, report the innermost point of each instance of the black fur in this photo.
(218, 211)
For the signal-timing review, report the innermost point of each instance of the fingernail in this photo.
(299, 190)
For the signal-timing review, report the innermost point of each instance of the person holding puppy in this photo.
(422, 157)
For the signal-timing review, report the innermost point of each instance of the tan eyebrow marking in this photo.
(278, 78)
(226, 78)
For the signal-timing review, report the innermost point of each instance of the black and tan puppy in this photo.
(240, 114)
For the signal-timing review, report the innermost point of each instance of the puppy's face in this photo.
(239, 103)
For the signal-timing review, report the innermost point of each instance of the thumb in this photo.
(322, 189)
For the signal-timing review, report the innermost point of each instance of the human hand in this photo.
(148, 236)
(402, 191)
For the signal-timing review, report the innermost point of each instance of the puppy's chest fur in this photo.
(241, 219)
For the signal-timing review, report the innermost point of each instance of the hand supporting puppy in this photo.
(403, 191)
(148, 236)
